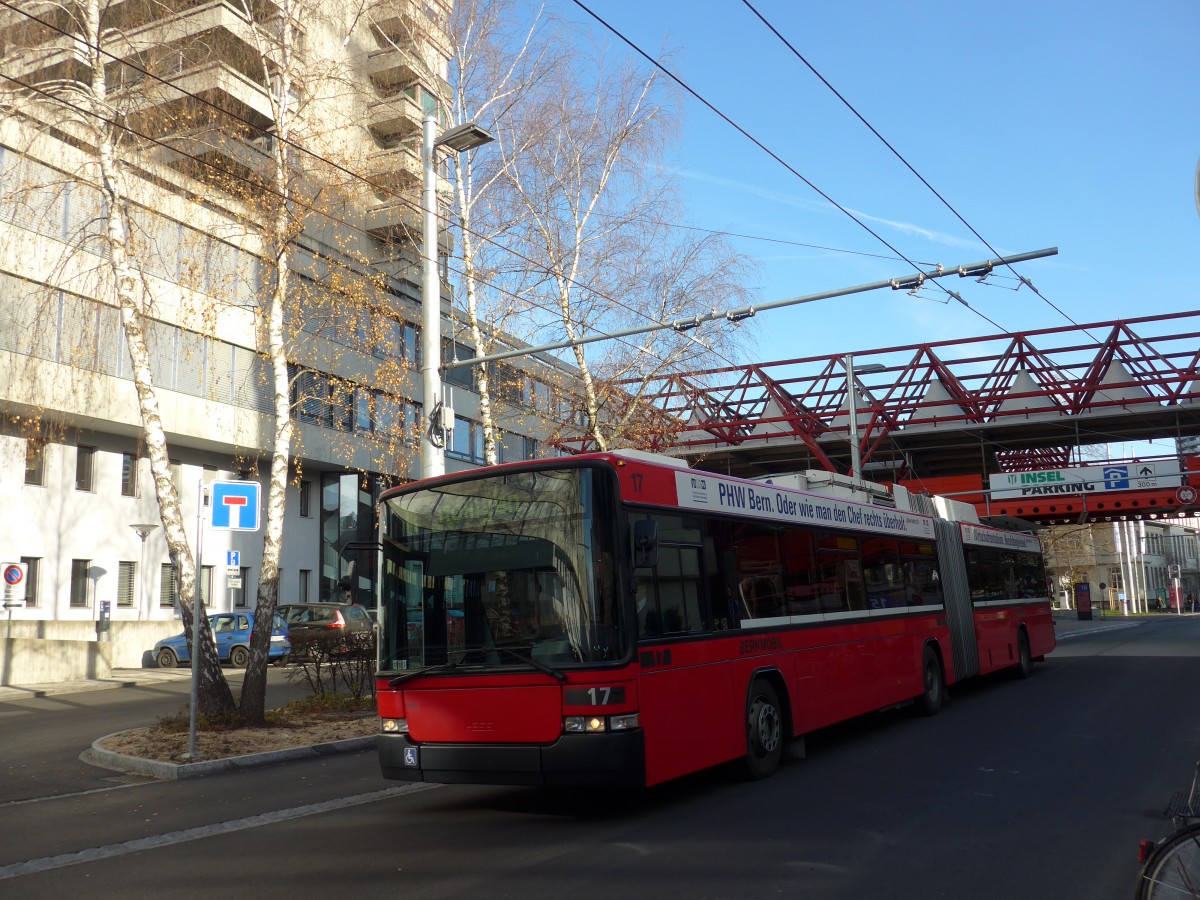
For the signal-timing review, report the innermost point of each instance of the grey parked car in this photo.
(339, 624)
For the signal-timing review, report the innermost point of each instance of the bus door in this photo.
(684, 689)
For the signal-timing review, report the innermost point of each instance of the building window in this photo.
(33, 565)
(239, 593)
(128, 474)
(126, 581)
(79, 582)
(466, 441)
(305, 584)
(459, 376)
(35, 463)
(168, 587)
(84, 463)
(363, 421)
(306, 499)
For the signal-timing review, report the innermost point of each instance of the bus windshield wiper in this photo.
(529, 660)
(440, 667)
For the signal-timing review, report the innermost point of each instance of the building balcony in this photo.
(216, 84)
(221, 22)
(394, 220)
(405, 22)
(399, 221)
(395, 119)
(398, 170)
(209, 152)
(394, 67)
(61, 60)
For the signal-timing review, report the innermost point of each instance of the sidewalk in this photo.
(1068, 624)
(120, 678)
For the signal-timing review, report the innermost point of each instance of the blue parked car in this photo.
(231, 631)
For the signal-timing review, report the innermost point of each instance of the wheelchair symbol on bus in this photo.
(410, 756)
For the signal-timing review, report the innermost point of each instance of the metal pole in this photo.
(1139, 530)
(852, 408)
(736, 315)
(197, 612)
(137, 584)
(433, 459)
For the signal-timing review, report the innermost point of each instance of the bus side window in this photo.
(759, 571)
(649, 622)
(668, 596)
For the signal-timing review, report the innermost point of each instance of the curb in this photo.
(108, 759)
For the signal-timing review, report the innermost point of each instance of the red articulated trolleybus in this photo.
(619, 619)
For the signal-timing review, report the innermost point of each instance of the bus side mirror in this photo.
(645, 544)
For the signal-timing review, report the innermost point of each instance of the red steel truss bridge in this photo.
(941, 417)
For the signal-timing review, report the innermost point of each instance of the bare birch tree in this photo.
(79, 103)
(598, 213)
(498, 54)
(496, 65)
(302, 193)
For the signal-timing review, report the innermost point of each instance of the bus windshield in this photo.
(495, 570)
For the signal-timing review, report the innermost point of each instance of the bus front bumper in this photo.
(616, 758)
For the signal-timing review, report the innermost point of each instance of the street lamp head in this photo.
(467, 136)
(143, 531)
(869, 368)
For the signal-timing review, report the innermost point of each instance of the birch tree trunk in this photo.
(214, 697)
(280, 228)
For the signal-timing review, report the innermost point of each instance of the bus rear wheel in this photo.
(764, 730)
(930, 701)
(1024, 666)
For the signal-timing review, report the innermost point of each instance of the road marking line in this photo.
(46, 864)
(1100, 629)
(100, 790)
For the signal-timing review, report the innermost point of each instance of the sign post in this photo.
(233, 570)
(15, 575)
(234, 506)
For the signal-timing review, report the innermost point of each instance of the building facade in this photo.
(197, 133)
(1129, 566)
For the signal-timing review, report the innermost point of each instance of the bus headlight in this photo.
(394, 726)
(600, 724)
(624, 722)
(584, 724)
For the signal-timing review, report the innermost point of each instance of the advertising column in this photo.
(1083, 601)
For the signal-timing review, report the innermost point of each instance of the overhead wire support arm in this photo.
(735, 315)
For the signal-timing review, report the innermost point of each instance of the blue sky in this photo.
(1071, 124)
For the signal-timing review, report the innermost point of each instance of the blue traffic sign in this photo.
(236, 505)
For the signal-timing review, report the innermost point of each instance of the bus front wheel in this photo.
(764, 730)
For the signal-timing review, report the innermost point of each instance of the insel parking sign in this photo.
(236, 505)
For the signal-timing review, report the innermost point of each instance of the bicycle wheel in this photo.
(1173, 869)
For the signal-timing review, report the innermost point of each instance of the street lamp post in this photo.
(459, 139)
(143, 532)
(852, 408)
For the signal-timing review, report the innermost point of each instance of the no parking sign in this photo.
(14, 584)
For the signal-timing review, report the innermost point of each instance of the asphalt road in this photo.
(43, 737)
(1033, 789)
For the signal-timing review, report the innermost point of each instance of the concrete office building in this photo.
(79, 505)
